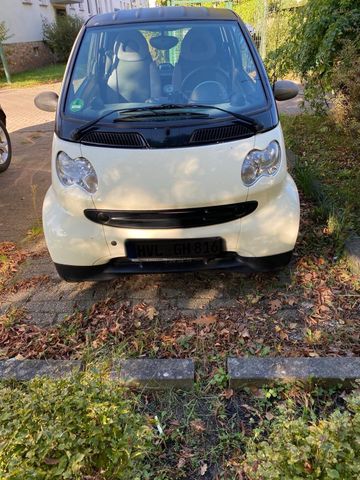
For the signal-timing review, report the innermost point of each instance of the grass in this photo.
(83, 424)
(328, 169)
(49, 74)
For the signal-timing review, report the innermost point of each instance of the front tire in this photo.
(5, 148)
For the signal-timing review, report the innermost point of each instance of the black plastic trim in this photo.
(164, 219)
(117, 139)
(118, 266)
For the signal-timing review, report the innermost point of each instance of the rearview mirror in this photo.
(47, 101)
(285, 90)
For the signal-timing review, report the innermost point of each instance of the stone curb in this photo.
(22, 370)
(261, 371)
(155, 373)
(144, 372)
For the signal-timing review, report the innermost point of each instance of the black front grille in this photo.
(118, 139)
(220, 134)
(181, 218)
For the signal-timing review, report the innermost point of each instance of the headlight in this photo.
(78, 171)
(259, 163)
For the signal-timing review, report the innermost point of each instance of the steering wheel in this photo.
(204, 74)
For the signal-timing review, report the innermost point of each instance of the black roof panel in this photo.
(165, 14)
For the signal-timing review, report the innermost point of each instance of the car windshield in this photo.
(180, 63)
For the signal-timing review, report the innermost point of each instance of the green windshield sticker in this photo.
(77, 105)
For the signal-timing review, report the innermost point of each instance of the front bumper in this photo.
(231, 261)
(262, 240)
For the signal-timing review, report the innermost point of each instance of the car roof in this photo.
(161, 14)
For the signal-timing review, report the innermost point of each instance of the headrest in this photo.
(198, 45)
(133, 47)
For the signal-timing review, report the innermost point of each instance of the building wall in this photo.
(25, 49)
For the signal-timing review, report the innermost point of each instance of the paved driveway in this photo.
(23, 185)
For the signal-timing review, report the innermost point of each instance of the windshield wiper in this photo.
(250, 122)
(79, 132)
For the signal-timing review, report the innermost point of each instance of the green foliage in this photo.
(315, 38)
(345, 82)
(68, 429)
(327, 169)
(296, 447)
(60, 35)
(4, 32)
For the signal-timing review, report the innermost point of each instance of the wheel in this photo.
(5, 148)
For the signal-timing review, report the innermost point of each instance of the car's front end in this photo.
(169, 183)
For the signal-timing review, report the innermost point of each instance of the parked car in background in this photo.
(168, 152)
(5, 144)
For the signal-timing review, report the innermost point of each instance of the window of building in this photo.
(60, 11)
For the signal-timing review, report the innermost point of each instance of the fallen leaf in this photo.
(228, 393)
(203, 469)
(181, 462)
(269, 416)
(51, 461)
(198, 425)
(291, 301)
(151, 313)
(275, 305)
(205, 320)
(245, 333)
(255, 300)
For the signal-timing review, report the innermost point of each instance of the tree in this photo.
(318, 32)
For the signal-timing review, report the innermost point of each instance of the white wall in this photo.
(24, 20)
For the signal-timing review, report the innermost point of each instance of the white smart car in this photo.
(168, 154)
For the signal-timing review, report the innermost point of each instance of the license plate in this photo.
(172, 249)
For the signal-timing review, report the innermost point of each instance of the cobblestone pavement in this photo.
(46, 299)
(18, 104)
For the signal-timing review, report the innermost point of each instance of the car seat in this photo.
(135, 76)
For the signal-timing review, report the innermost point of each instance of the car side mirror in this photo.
(47, 101)
(285, 90)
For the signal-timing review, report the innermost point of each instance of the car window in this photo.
(156, 63)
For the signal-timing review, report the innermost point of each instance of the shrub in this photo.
(346, 85)
(297, 448)
(60, 35)
(315, 38)
(4, 32)
(68, 429)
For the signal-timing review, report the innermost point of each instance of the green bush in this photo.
(4, 32)
(296, 448)
(60, 35)
(68, 429)
(313, 44)
(346, 85)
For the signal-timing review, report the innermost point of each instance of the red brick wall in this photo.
(26, 56)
